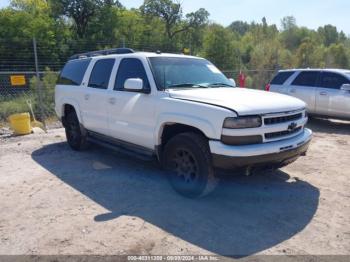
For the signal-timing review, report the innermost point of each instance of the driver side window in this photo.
(130, 68)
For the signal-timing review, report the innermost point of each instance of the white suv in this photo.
(181, 110)
(325, 91)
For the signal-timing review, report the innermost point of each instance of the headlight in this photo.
(242, 122)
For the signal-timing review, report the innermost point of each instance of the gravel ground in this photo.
(57, 201)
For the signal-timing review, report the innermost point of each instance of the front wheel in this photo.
(187, 159)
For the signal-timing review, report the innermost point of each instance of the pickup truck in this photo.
(180, 110)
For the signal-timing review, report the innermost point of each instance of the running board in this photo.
(121, 147)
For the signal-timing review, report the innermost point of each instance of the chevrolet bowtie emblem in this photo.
(292, 126)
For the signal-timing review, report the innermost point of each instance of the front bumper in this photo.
(278, 153)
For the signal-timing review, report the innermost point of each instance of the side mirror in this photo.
(345, 87)
(133, 84)
(233, 82)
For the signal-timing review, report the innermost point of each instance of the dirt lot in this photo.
(56, 201)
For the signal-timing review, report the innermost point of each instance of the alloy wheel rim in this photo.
(186, 167)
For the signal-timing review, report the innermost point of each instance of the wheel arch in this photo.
(170, 130)
(180, 122)
(68, 106)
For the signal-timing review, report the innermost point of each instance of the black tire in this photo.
(188, 162)
(75, 138)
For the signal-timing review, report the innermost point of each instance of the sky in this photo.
(309, 13)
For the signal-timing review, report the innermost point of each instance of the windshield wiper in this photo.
(187, 85)
(220, 84)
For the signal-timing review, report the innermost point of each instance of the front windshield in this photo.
(178, 72)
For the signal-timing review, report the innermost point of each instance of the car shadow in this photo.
(243, 216)
(329, 126)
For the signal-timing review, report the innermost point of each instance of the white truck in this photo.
(179, 109)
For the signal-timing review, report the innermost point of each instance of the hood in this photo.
(243, 101)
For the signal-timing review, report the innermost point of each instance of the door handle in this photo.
(87, 97)
(292, 91)
(323, 93)
(112, 100)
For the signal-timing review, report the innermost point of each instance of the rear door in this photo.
(330, 99)
(278, 83)
(69, 84)
(95, 97)
(304, 88)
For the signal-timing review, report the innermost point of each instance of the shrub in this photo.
(48, 83)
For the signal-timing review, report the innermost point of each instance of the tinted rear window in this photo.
(308, 78)
(101, 73)
(281, 77)
(73, 72)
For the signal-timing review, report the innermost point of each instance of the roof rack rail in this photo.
(117, 51)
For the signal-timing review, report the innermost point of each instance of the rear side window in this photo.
(308, 78)
(73, 72)
(332, 80)
(130, 68)
(281, 77)
(101, 73)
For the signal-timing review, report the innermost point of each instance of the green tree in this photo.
(64, 27)
(19, 33)
(289, 35)
(264, 61)
(288, 23)
(103, 26)
(239, 27)
(305, 54)
(81, 11)
(219, 47)
(337, 56)
(138, 33)
(329, 34)
(171, 13)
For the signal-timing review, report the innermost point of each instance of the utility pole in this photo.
(38, 83)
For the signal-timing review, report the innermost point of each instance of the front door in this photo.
(132, 114)
(330, 99)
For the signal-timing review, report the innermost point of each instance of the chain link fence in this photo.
(255, 79)
(19, 90)
(22, 61)
(20, 87)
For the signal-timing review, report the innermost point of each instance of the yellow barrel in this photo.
(20, 123)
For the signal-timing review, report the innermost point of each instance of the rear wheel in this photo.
(187, 159)
(75, 138)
